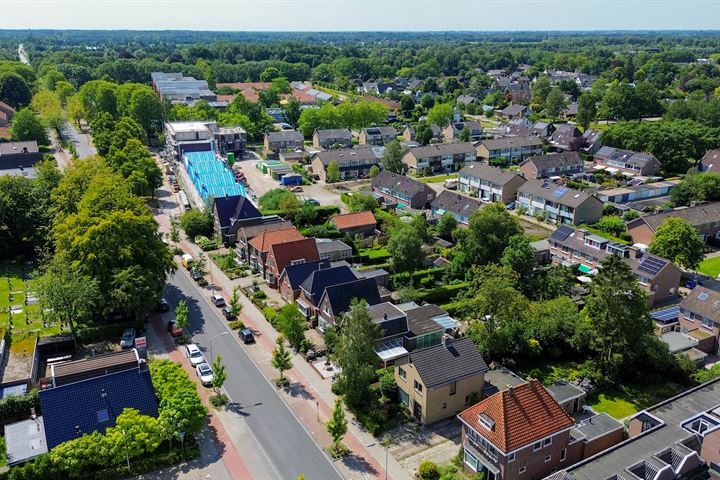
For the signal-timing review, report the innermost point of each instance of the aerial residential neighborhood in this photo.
(340, 241)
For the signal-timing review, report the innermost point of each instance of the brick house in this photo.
(377, 136)
(705, 218)
(565, 137)
(283, 141)
(440, 381)
(658, 277)
(701, 310)
(408, 133)
(512, 112)
(285, 253)
(558, 203)
(294, 274)
(247, 232)
(508, 149)
(710, 162)
(438, 158)
(614, 160)
(259, 247)
(314, 285)
(337, 299)
(353, 162)
(6, 114)
(331, 138)
(229, 213)
(491, 184)
(552, 165)
(454, 129)
(358, 223)
(401, 189)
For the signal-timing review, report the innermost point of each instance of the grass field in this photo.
(710, 267)
(438, 178)
(18, 303)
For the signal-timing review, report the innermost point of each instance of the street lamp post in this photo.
(211, 340)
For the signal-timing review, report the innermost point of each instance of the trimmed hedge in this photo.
(441, 294)
(17, 407)
(402, 279)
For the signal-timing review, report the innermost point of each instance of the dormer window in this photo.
(486, 421)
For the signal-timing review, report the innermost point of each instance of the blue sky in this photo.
(324, 15)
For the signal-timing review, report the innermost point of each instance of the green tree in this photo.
(235, 304)
(200, 263)
(68, 294)
(337, 425)
(14, 90)
(541, 89)
(677, 241)
(360, 202)
(427, 101)
(519, 256)
(374, 171)
(145, 108)
(181, 314)
(696, 187)
(423, 133)
(133, 435)
(405, 248)
(273, 199)
(27, 126)
(441, 114)
(175, 231)
(281, 359)
(270, 74)
(392, 157)
(195, 223)
(555, 103)
(333, 172)
(74, 109)
(355, 354)
(611, 224)
(292, 325)
(587, 110)
(219, 373)
(180, 408)
(407, 104)
(135, 163)
(464, 134)
(292, 111)
(446, 225)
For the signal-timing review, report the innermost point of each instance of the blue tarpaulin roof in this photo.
(210, 176)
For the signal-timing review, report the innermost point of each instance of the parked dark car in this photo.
(196, 275)
(228, 313)
(246, 336)
(174, 329)
(163, 305)
(128, 338)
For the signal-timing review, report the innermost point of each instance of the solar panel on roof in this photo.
(559, 192)
(651, 265)
(562, 233)
(666, 315)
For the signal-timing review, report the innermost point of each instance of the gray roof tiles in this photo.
(442, 364)
(510, 142)
(489, 173)
(556, 193)
(554, 160)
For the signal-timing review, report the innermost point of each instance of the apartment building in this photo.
(705, 218)
(438, 158)
(377, 136)
(332, 138)
(614, 160)
(491, 184)
(508, 150)
(558, 203)
(353, 163)
(552, 165)
(700, 310)
(460, 206)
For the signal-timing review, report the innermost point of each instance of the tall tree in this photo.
(181, 314)
(541, 89)
(292, 111)
(464, 134)
(281, 358)
(587, 110)
(14, 90)
(145, 108)
(337, 425)
(679, 242)
(441, 114)
(27, 126)
(355, 354)
(423, 133)
(292, 325)
(405, 247)
(392, 157)
(555, 102)
(333, 172)
(219, 373)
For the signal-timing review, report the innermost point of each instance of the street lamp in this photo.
(211, 340)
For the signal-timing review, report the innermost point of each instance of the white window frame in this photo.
(402, 374)
(511, 457)
(537, 446)
(522, 470)
(547, 442)
(563, 454)
(548, 458)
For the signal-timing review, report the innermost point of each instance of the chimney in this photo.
(635, 252)
(385, 316)
(580, 234)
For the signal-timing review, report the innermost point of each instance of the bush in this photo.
(271, 315)
(401, 279)
(236, 325)
(219, 400)
(440, 294)
(206, 244)
(17, 407)
(273, 199)
(195, 223)
(428, 471)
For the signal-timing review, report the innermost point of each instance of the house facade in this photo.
(508, 149)
(408, 133)
(294, 274)
(705, 218)
(337, 300)
(439, 158)
(229, 213)
(614, 160)
(314, 285)
(460, 206)
(259, 246)
(490, 184)
(403, 190)
(558, 203)
(658, 277)
(454, 129)
(701, 310)
(332, 138)
(283, 141)
(353, 163)
(358, 223)
(377, 136)
(438, 382)
(552, 165)
(710, 162)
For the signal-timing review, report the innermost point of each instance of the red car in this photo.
(174, 329)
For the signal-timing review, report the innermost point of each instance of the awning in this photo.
(391, 350)
(585, 268)
(440, 211)
(628, 174)
(446, 321)
(612, 170)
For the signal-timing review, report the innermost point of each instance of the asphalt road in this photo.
(83, 144)
(285, 442)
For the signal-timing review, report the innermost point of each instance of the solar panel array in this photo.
(651, 265)
(562, 233)
(559, 192)
(666, 315)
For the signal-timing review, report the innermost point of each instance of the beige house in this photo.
(558, 203)
(377, 136)
(439, 158)
(509, 149)
(491, 184)
(441, 381)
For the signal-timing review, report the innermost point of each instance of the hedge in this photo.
(323, 212)
(441, 294)
(17, 407)
(402, 279)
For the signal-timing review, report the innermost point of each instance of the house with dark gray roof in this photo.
(332, 138)
(19, 158)
(393, 324)
(592, 141)
(438, 382)
(508, 149)
(313, 287)
(614, 160)
(460, 206)
(439, 157)
(454, 129)
(337, 299)
(408, 133)
(710, 162)
(245, 232)
(353, 162)
(377, 136)
(558, 203)
(332, 249)
(675, 439)
(491, 184)
(700, 311)
(658, 278)
(565, 137)
(230, 213)
(295, 274)
(552, 165)
(284, 140)
(514, 111)
(703, 217)
(403, 190)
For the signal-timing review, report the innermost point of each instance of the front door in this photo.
(417, 411)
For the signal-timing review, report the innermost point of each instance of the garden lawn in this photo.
(438, 178)
(624, 400)
(374, 253)
(710, 267)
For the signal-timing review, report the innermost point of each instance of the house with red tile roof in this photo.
(358, 223)
(259, 247)
(282, 254)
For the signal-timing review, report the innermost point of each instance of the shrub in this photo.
(180, 407)
(441, 294)
(219, 400)
(195, 222)
(236, 325)
(400, 279)
(259, 295)
(274, 198)
(92, 332)
(206, 244)
(271, 315)
(428, 471)
(17, 407)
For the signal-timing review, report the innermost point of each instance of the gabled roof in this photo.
(285, 136)
(333, 133)
(399, 183)
(518, 416)
(695, 216)
(513, 109)
(629, 157)
(456, 203)
(391, 319)
(341, 155)
(448, 362)
(354, 220)
(474, 127)
(91, 367)
(489, 173)
(703, 301)
(269, 223)
(510, 142)
(297, 273)
(317, 281)
(81, 404)
(554, 160)
(341, 295)
(710, 162)
(266, 239)
(440, 149)
(556, 193)
(327, 245)
(387, 130)
(420, 319)
(234, 208)
(284, 253)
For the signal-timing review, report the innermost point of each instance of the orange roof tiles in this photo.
(265, 240)
(354, 220)
(522, 415)
(246, 85)
(283, 254)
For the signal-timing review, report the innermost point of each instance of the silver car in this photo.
(205, 374)
(128, 338)
(194, 355)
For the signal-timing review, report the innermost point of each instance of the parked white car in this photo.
(194, 355)
(205, 374)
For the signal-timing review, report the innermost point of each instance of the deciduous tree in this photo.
(679, 242)
(392, 157)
